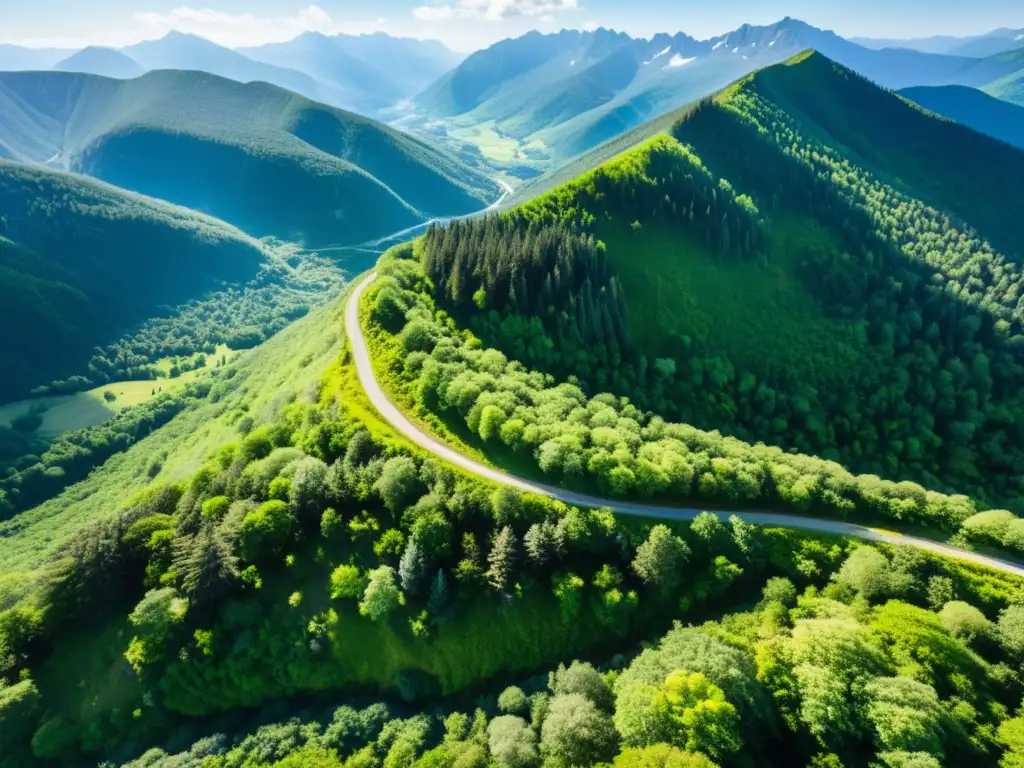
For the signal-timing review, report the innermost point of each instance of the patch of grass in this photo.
(66, 413)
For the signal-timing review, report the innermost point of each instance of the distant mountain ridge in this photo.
(1000, 119)
(106, 62)
(979, 46)
(266, 160)
(568, 92)
(363, 73)
(383, 68)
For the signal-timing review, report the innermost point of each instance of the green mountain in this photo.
(973, 108)
(100, 61)
(806, 260)
(264, 159)
(81, 261)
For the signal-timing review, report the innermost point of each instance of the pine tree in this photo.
(439, 603)
(412, 569)
(540, 544)
(502, 558)
(206, 565)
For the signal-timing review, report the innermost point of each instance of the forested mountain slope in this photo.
(264, 159)
(80, 261)
(807, 260)
(975, 109)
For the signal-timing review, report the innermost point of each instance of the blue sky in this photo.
(470, 24)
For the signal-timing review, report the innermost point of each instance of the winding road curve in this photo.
(399, 421)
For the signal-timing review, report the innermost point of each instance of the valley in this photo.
(586, 399)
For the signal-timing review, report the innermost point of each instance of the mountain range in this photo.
(365, 73)
(560, 95)
(266, 160)
(977, 46)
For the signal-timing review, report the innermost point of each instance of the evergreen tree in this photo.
(412, 569)
(502, 558)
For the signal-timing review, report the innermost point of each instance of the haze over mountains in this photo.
(363, 73)
(979, 46)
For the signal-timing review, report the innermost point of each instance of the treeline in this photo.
(549, 272)
(852, 674)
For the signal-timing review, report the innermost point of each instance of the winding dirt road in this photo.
(399, 421)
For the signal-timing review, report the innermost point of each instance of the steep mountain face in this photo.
(560, 95)
(264, 159)
(806, 260)
(81, 260)
(101, 61)
(372, 72)
(975, 109)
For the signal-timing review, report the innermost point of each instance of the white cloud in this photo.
(591, 26)
(493, 10)
(241, 29)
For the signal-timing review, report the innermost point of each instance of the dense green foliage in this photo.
(606, 444)
(265, 159)
(792, 272)
(72, 278)
(252, 592)
(842, 675)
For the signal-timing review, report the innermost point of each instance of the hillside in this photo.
(264, 159)
(83, 261)
(1010, 86)
(539, 100)
(975, 109)
(292, 553)
(100, 61)
(770, 304)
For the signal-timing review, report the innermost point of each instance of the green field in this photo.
(66, 413)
